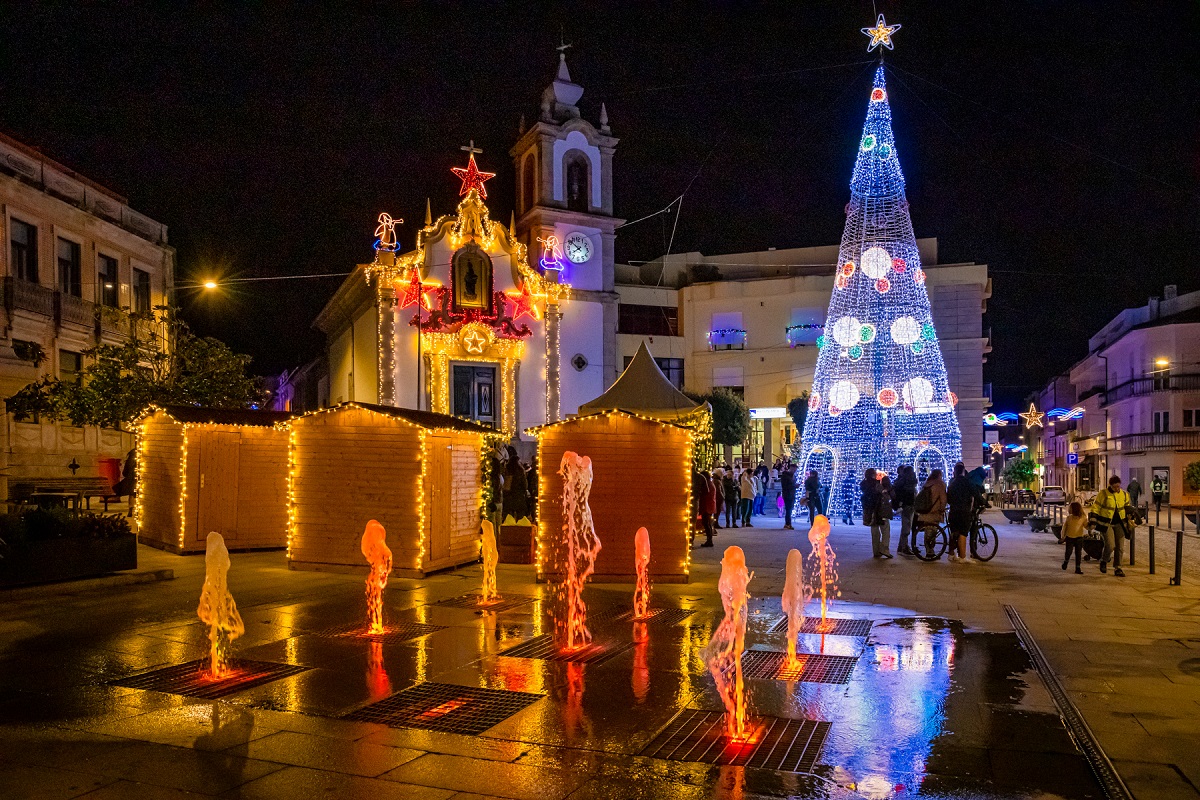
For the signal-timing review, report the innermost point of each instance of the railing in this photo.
(1143, 386)
(28, 296)
(1139, 442)
(112, 320)
(727, 339)
(76, 310)
(802, 335)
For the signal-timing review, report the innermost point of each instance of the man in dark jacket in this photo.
(812, 496)
(964, 497)
(787, 485)
(906, 498)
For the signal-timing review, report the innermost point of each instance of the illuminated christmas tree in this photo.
(880, 396)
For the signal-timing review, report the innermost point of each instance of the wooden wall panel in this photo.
(262, 488)
(640, 477)
(158, 480)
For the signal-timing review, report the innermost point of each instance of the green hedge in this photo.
(41, 524)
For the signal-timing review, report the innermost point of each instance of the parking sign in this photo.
(1072, 459)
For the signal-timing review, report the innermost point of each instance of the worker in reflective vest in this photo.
(1111, 519)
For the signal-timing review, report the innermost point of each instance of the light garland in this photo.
(911, 420)
(477, 343)
(293, 463)
(726, 338)
(183, 488)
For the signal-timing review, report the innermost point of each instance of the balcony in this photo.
(1144, 386)
(74, 310)
(1181, 441)
(727, 339)
(803, 335)
(28, 296)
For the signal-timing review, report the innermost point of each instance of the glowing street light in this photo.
(210, 284)
(1161, 362)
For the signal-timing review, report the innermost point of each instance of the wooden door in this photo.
(437, 497)
(217, 485)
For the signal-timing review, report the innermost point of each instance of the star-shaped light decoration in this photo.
(412, 293)
(881, 34)
(997, 447)
(524, 304)
(474, 342)
(1032, 417)
(472, 177)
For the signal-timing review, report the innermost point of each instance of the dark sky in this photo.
(1054, 141)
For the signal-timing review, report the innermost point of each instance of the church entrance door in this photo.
(474, 392)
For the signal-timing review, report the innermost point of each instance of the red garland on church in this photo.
(444, 319)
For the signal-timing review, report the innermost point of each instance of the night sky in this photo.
(1054, 141)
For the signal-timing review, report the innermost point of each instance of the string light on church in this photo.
(912, 419)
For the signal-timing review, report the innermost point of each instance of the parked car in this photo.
(1019, 497)
(1054, 495)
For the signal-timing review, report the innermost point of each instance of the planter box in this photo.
(67, 559)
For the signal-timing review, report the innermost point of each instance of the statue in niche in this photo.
(472, 279)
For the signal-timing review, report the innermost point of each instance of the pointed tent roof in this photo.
(643, 389)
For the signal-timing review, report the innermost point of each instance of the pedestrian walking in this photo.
(812, 496)
(847, 495)
(1110, 516)
(1073, 530)
(746, 486)
(1157, 488)
(719, 486)
(763, 476)
(708, 507)
(905, 502)
(787, 485)
(1135, 491)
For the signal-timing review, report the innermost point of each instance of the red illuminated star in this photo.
(413, 293)
(472, 177)
(524, 305)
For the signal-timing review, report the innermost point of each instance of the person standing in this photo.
(746, 488)
(1135, 491)
(1072, 535)
(1109, 514)
(930, 507)
(812, 496)
(787, 485)
(905, 501)
(708, 507)
(848, 499)
(961, 495)
(871, 499)
(1157, 488)
(732, 495)
(719, 487)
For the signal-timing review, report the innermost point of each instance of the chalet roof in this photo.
(423, 419)
(225, 416)
(642, 389)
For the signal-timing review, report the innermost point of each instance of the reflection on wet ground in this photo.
(929, 709)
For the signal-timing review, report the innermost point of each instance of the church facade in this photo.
(513, 326)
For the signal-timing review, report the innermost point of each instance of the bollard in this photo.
(1157, 514)
(1151, 549)
(1132, 543)
(1178, 579)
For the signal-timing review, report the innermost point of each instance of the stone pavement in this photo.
(932, 708)
(1127, 650)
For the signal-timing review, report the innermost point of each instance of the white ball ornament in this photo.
(917, 392)
(843, 395)
(876, 262)
(846, 331)
(905, 330)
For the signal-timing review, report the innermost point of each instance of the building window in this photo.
(1191, 418)
(24, 251)
(672, 368)
(647, 320)
(141, 291)
(727, 339)
(577, 169)
(107, 277)
(1162, 421)
(70, 365)
(528, 190)
(70, 271)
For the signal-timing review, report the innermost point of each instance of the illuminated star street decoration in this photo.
(474, 342)
(413, 294)
(1032, 417)
(881, 34)
(524, 304)
(997, 447)
(471, 176)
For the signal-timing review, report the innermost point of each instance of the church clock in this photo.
(578, 247)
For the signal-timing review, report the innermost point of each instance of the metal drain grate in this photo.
(832, 626)
(393, 631)
(445, 707)
(784, 745)
(471, 601)
(658, 616)
(191, 679)
(809, 667)
(543, 647)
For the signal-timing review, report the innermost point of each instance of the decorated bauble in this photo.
(899, 264)
(917, 392)
(866, 334)
(820, 341)
(882, 285)
(905, 330)
(885, 150)
(848, 268)
(846, 331)
(952, 398)
(834, 411)
(868, 142)
(887, 397)
(844, 395)
(875, 262)
(814, 401)
(855, 352)
(919, 275)
(842, 282)
(878, 95)
(927, 332)
(918, 348)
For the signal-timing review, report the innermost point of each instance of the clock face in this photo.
(578, 247)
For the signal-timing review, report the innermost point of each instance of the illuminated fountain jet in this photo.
(581, 548)
(641, 561)
(377, 553)
(491, 557)
(723, 654)
(822, 567)
(217, 609)
(795, 594)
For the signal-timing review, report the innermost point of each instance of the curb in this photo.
(89, 584)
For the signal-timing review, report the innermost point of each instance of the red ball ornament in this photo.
(883, 284)
(953, 398)
(899, 264)
(919, 276)
(887, 397)
(814, 402)
(877, 94)
(848, 268)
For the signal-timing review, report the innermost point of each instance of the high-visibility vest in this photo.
(1109, 503)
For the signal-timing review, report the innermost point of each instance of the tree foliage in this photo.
(162, 362)
(1191, 475)
(1020, 471)
(797, 409)
(730, 417)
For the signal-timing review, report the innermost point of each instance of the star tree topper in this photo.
(471, 176)
(881, 34)
(1032, 417)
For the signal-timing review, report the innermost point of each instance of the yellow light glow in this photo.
(210, 284)
(1161, 362)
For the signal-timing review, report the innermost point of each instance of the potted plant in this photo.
(42, 545)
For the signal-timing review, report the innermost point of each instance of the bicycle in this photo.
(984, 541)
(933, 543)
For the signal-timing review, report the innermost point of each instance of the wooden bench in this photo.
(83, 490)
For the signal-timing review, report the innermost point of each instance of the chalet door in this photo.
(217, 485)
(474, 393)
(437, 494)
